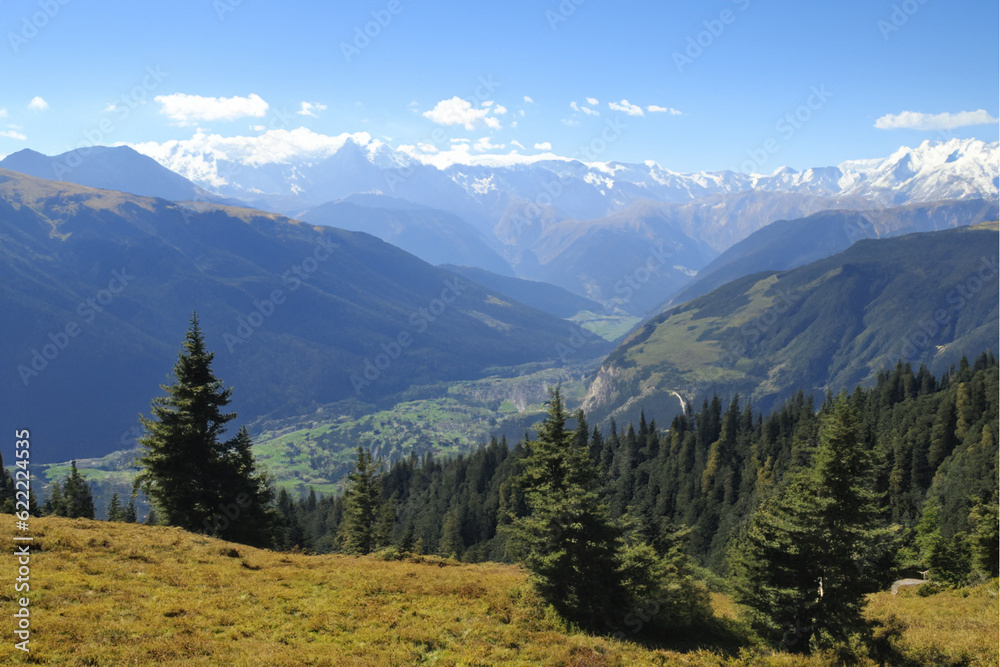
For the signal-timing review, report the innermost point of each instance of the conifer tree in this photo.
(567, 540)
(801, 563)
(129, 514)
(194, 480)
(115, 510)
(359, 528)
(54, 503)
(77, 499)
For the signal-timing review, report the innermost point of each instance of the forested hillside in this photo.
(932, 441)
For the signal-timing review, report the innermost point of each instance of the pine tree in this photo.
(359, 529)
(193, 480)
(802, 561)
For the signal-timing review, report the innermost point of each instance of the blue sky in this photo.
(924, 68)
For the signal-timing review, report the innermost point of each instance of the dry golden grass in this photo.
(120, 594)
(947, 628)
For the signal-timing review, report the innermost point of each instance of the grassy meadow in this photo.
(123, 594)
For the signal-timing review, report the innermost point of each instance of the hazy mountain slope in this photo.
(97, 287)
(543, 296)
(434, 236)
(110, 168)
(630, 260)
(786, 244)
(827, 325)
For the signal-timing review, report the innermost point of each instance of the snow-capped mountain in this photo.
(482, 187)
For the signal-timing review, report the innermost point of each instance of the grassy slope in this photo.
(117, 594)
(848, 317)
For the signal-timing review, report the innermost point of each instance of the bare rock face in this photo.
(603, 390)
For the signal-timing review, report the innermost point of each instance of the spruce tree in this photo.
(801, 563)
(115, 510)
(566, 539)
(359, 528)
(194, 480)
(54, 503)
(77, 499)
(129, 514)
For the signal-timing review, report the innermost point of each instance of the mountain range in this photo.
(97, 288)
(585, 226)
(124, 267)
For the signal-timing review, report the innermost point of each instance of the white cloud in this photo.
(11, 134)
(460, 154)
(653, 108)
(491, 122)
(913, 120)
(521, 113)
(196, 158)
(456, 111)
(586, 110)
(543, 146)
(487, 104)
(592, 101)
(499, 110)
(38, 104)
(528, 100)
(110, 107)
(310, 109)
(186, 109)
(515, 142)
(569, 122)
(3, 113)
(483, 145)
(630, 109)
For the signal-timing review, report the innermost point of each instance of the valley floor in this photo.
(124, 594)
